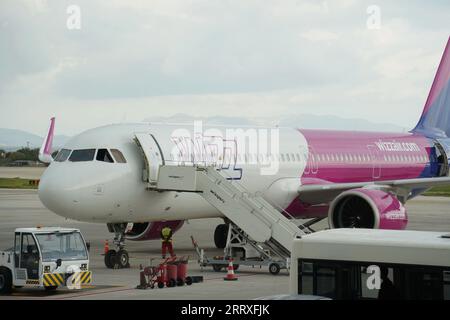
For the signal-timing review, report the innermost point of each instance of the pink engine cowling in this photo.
(367, 208)
(151, 230)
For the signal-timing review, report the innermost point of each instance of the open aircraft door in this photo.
(443, 156)
(153, 156)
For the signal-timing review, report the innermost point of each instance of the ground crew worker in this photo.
(166, 237)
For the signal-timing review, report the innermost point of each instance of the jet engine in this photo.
(151, 230)
(367, 208)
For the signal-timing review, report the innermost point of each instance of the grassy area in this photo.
(439, 191)
(16, 183)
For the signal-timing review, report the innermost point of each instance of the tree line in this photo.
(25, 154)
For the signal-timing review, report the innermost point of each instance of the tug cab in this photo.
(47, 258)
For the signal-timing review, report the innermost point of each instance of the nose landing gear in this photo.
(117, 259)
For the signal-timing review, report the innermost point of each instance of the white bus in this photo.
(354, 264)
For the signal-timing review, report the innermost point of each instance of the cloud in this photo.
(136, 59)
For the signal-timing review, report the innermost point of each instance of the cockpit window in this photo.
(118, 156)
(82, 155)
(103, 155)
(63, 155)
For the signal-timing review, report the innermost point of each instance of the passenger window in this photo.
(103, 155)
(82, 155)
(63, 155)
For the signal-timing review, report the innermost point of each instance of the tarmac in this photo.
(22, 208)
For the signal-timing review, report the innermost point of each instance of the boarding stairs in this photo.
(255, 218)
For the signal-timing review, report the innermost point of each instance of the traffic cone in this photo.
(230, 275)
(105, 251)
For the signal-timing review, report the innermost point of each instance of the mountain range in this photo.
(13, 139)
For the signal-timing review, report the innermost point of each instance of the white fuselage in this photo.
(97, 191)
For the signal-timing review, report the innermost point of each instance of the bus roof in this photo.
(46, 230)
(382, 246)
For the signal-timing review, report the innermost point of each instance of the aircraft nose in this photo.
(53, 192)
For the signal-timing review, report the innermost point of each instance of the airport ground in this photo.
(22, 208)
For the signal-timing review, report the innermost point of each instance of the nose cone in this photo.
(54, 191)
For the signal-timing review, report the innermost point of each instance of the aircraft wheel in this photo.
(110, 259)
(123, 259)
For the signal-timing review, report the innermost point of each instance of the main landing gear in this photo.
(117, 259)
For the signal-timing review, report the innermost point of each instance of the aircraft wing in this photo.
(325, 193)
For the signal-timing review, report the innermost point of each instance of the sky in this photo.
(131, 60)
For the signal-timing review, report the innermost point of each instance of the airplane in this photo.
(353, 179)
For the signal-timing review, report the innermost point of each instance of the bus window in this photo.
(325, 281)
(366, 292)
(446, 285)
(306, 276)
(425, 284)
(348, 282)
(389, 287)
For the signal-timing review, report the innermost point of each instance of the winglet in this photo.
(45, 153)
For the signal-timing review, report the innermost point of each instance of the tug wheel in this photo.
(51, 288)
(5, 281)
